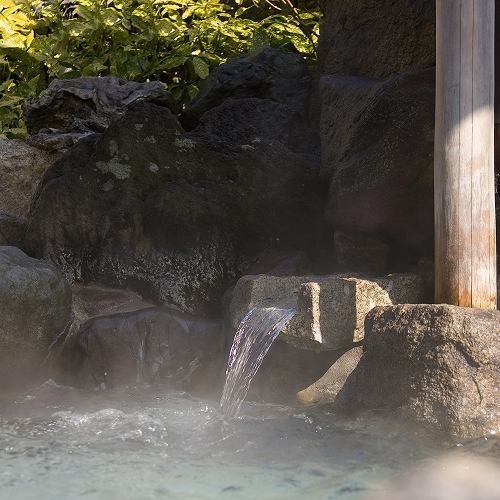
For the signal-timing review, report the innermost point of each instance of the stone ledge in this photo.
(330, 309)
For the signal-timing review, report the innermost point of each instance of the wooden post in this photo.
(465, 246)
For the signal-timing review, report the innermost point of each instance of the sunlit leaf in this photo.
(177, 41)
(201, 68)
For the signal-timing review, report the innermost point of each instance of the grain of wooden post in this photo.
(465, 246)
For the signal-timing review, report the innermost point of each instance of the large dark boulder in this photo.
(436, 364)
(175, 216)
(35, 308)
(377, 38)
(361, 253)
(11, 229)
(92, 300)
(271, 74)
(249, 121)
(71, 109)
(21, 168)
(377, 154)
(154, 345)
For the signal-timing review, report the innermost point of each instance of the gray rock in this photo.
(72, 109)
(35, 307)
(343, 99)
(325, 390)
(12, 229)
(173, 216)
(331, 309)
(361, 253)
(248, 121)
(89, 301)
(438, 365)
(146, 346)
(287, 369)
(378, 154)
(272, 74)
(93, 299)
(22, 166)
(377, 38)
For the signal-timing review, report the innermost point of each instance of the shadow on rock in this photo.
(154, 345)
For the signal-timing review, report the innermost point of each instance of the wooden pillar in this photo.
(465, 246)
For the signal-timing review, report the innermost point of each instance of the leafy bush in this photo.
(173, 41)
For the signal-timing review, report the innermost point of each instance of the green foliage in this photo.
(174, 41)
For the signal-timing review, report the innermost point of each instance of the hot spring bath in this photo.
(59, 443)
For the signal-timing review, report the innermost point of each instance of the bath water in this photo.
(142, 443)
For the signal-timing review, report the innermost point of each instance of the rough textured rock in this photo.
(261, 96)
(269, 74)
(71, 109)
(250, 121)
(171, 215)
(147, 346)
(11, 229)
(361, 253)
(438, 364)
(325, 389)
(35, 307)
(377, 38)
(378, 154)
(343, 100)
(286, 370)
(89, 301)
(331, 309)
(21, 168)
(94, 300)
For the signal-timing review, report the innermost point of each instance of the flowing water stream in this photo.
(254, 336)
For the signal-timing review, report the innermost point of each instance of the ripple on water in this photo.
(146, 444)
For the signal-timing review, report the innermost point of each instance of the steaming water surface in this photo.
(145, 444)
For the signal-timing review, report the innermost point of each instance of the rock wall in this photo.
(376, 100)
(377, 154)
(375, 105)
(21, 168)
(377, 38)
(178, 216)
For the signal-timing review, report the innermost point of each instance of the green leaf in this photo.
(176, 41)
(173, 62)
(260, 39)
(201, 68)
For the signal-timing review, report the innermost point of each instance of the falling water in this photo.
(254, 336)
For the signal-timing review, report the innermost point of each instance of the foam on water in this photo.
(140, 443)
